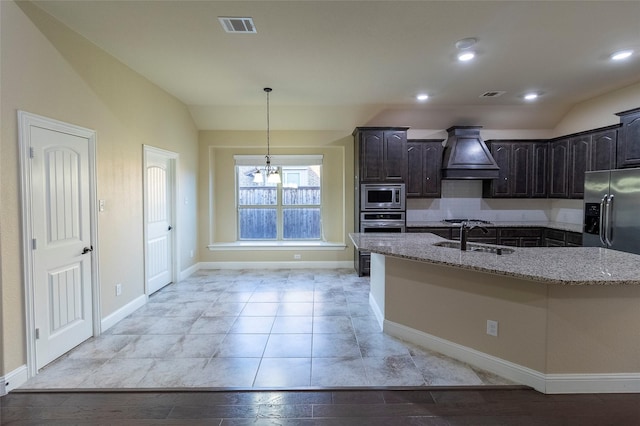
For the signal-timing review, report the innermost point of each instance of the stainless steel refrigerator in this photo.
(612, 210)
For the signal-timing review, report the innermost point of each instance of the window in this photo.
(282, 212)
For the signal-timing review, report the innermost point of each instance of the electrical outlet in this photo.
(118, 289)
(492, 328)
(297, 256)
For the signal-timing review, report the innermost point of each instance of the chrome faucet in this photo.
(465, 227)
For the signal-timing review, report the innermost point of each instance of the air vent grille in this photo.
(237, 25)
(492, 94)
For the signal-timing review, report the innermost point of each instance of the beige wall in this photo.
(455, 304)
(552, 329)
(599, 111)
(48, 70)
(217, 213)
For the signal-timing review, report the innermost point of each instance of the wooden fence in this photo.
(267, 196)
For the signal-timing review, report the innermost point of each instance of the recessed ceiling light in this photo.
(531, 96)
(466, 56)
(621, 55)
(422, 97)
(466, 43)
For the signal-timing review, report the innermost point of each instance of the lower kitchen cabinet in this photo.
(573, 239)
(476, 235)
(362, 263)
(520, 237)
(509, 236)
(558, 238)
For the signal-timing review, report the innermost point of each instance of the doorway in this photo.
(59, 236)
(159, 217)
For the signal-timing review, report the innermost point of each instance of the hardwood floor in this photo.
(433, 406)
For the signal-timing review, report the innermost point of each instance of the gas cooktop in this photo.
(459, 221)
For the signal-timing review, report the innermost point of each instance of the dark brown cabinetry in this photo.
(381, 154)
(628, 149)
(522, 172)
(510, 236)
(424, 161)
(578, 163)
(558, 176)
(587, 152)
(540, 169)
(477, 235)
(603, 149)
(558, 238)
(520, 237)
(363, 263)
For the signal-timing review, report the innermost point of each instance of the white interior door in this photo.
(61, 245)
(159, 202)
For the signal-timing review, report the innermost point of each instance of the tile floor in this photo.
(294, 328)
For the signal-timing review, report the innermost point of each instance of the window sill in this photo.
(277, 245)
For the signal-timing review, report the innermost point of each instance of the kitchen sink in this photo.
(475, 247)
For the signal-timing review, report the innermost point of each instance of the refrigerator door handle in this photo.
(610, 223)
(603, 221)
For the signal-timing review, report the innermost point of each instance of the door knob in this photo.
(170, 228)
(87, 249)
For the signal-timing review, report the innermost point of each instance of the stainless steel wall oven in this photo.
(392, 222)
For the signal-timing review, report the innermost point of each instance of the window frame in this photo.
(278, 161)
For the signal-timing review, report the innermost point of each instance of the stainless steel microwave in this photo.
(382, 196)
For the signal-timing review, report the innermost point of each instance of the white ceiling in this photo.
(334, 65)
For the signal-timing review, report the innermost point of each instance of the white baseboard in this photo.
(14, 379)
(111, 320)
(545, 383)
(296, 264)
(188, 272)
(593, 383)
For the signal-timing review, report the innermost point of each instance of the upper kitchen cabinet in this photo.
(381, 153)
(628, 149)
(540, 169)
(522, 171)
(500, 187)
(424, 161)
(590, 151)
(603, 149)
(558, 175)
(578, 163)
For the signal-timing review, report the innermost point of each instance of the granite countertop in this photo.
(561, 226)
(550, 265)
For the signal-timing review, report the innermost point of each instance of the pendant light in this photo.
(271, 172)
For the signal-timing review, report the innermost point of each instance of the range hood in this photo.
(466, 156)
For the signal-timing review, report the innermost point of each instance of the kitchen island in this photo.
(565, 319)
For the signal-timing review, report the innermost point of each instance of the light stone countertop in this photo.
(561, 226)
(550, 265)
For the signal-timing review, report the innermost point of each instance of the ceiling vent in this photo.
(237, 25)
(493, 94)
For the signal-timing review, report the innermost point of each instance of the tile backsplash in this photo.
(463, 199)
